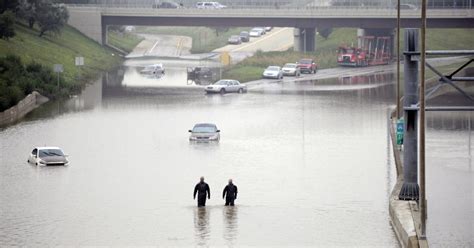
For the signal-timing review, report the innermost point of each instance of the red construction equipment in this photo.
(372, 51)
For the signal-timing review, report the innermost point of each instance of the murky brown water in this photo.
(313, 168)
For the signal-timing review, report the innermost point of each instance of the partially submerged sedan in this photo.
(48, 156)
(205, 132)
(226, 85)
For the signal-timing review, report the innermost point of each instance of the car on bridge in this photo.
(166, 5)
(307, 65)
(48, 156)
(234, 40)
(291, 69)
(204, 132)
(273, 71)
(210, 5)
(244, 36)
(226, 86)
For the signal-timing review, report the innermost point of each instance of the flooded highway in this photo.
(312, 160)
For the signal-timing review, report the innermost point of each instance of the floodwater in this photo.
(450, 179)
(313, 166)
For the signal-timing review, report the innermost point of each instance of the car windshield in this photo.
(50, 152)
(290, 65)
(255, 30)
(222, 82)
(273, 68)
(234, 37)
(305, 61)
(206, 128)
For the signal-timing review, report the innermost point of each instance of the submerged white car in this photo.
(48, 156)
(273, 72)
(205, 132)
(153, 69)
(225, 86)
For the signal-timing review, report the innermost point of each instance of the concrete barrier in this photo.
(22, 108)
(404, 215)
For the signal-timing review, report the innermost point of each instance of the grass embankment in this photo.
(59, 49)
(326, 52)
(204, 39)
(123, 40)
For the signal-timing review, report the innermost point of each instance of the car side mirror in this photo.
(190, 131)
(218, 131)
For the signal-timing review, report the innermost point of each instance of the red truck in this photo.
(307, 65)
(372, 51)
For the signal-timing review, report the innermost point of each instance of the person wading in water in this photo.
(202, 189)
(230, 193)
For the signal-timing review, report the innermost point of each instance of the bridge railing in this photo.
(285, 4)
(321, 11)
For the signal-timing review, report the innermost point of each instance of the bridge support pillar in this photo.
(410, 188)
(89, 22)
(305, 39)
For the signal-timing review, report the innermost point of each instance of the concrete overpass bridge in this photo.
(93, 19)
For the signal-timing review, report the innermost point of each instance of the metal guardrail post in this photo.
(410, 188)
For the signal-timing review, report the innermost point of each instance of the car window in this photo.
(204, 129)
(50, 152)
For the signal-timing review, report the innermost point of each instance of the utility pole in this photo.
(422, 121)
(398, 59)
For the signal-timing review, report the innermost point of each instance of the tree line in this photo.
(47, 15)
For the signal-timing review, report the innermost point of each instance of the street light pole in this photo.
(398, 59)
(422, 121)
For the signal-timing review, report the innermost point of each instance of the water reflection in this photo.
(202, 230)
(230, 223)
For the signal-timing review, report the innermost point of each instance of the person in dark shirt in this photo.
(202, 189)
(230, 193)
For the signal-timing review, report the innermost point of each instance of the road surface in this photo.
(279, 39)
(171, 46)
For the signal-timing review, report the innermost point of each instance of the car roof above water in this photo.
(47, 148)
(205, 125)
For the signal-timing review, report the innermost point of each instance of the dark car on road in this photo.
(244, 36)
(307, 65)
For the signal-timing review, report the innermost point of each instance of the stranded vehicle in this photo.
(307, 65)
(371, 51)
(204, 132)
(48, 156)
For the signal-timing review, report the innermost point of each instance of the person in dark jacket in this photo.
(202, 189)
(230, 193)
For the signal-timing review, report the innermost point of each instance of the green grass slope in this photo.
(61, 49)
(123, 40)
